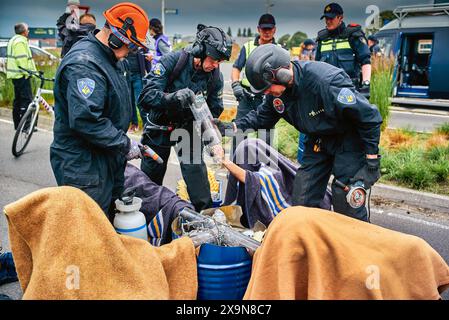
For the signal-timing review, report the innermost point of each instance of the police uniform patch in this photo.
(158, 69)
(278, 104)
(346, 96)
(86, 87)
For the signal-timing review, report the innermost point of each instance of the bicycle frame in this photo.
(27, 124)
(39, 100)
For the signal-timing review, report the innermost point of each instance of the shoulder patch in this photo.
(346, 96)
(278, 105)
(158, 69)
(86, 87)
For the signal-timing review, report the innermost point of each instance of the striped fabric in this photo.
(271, 192)
(156, 229)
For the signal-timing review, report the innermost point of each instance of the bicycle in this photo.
(27, 124)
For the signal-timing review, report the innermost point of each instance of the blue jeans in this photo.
(136, 87)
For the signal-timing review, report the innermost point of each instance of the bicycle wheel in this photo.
(24, 131)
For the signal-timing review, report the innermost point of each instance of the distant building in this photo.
(43, 37)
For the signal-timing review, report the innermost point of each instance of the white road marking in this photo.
(411, 219)
(40, 129)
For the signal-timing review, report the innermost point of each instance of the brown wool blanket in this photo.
(310, 253)
(64, 247)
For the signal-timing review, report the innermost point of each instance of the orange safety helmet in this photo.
(129, 20)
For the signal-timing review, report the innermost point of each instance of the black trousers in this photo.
(22, 98)
(194, 172)
(341, 156)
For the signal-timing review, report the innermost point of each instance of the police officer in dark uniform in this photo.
(169, 91)
(240, 84)
(374, 47)
(342, 128)
(345, 47)
(93, 108)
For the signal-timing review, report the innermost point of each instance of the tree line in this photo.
(287, 41)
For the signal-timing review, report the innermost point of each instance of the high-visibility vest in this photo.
(339, 53)
(249, 47)
(18, 54)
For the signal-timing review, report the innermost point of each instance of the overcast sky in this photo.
(291, 15)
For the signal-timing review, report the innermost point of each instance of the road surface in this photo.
(32, 171)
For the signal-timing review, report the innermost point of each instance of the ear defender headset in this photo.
(280, 75)
(202, 37)
(119, 37)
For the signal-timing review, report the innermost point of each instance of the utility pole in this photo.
(163, 15)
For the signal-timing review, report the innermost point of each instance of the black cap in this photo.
(309, 42)
(155, 22)
(332, 10)
(372, 38)
(266, 21)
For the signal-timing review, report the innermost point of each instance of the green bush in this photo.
(286, 139)
(382, 86)
(441, 170)
(436, 154)
(6, 91)
(443, 129)
(416, 168)
(7, 88)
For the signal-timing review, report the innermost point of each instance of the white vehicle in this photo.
(40, 56)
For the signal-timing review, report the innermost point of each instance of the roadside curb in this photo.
(425, 200)
(428, 112)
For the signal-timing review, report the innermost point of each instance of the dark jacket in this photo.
(322, 102)
(92, 114)
(156, 86)
(345, 48)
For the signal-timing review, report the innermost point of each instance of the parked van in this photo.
(420, 45)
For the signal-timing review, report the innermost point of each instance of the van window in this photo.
(38, 53)
(386, 45)
(425, 46)
(2, 52)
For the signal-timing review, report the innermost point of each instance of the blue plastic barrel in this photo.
(223, 272)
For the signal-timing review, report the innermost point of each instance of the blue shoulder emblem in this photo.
(158, 69)
(346, 96)
(86, 87)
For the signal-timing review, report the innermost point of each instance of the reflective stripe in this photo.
(249, 47)
(19, 57)
(14, 70)
(335, 45)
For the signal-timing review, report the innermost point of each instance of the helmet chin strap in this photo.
(201, 65)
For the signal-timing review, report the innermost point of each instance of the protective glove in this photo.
(134, 150)
(182, 98)
(238, 90)
(225, 127)
(369, 173)
(365, 91)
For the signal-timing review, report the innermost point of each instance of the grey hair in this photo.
(20, 28)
